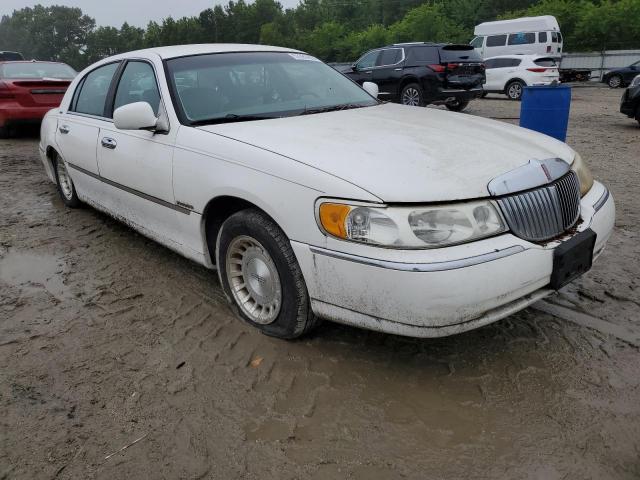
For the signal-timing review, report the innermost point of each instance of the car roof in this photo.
(175, 51)
(416, 44)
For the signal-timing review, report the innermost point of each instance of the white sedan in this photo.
(509, 74)
(313, 199)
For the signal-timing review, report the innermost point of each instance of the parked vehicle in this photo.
(621, 77)
(526, 36)
(419, 74)
(630, 103)
(6, 56)
(313, 199)
(28, 90)
(509, 74)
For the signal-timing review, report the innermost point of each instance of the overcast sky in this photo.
(136, 12)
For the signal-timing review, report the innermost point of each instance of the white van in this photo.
(525, 36)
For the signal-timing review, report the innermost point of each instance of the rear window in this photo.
(37, 70)
(10, 56)
(522, 38)
(542, 37)
(457, 53)
(496, 41)
(545, 62)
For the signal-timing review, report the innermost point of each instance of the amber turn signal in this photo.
(332, 218)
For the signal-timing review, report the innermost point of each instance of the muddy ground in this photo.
(107, 338)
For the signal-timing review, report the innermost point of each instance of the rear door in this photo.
(464, 69)
(78, 127)
(388, 72)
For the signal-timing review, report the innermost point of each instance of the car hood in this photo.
(401, 154)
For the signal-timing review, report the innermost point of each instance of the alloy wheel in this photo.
(515, 91)
(254, 280)
(615, 81)
(411, 97)
(66, 185)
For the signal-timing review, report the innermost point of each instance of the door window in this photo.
(542, 37)
(390, 56)
(92, 92)
(522, 38)
(496, 41)
(424, 55)
(138, 84)
(368, 60)
(477, 42)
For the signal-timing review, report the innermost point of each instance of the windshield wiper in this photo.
(332, 108)
(230, 118)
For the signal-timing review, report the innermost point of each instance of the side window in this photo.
(489, 64)
(368, 61)
(477, 42)
(424, 55)
(514, 62)
(542, 37)
(390, 56)
(554, 37)
(93, 91)
(496, 41)
(138, 84)
(522, 38)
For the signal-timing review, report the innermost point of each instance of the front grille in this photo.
(544, 212)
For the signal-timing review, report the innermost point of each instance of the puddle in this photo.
(34, 271)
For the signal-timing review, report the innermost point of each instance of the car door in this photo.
(79, 126)
(137, 164)
(362, 70)
(388, 72)
(500, 74)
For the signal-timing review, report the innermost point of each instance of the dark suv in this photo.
(10, 56)
(422, 73)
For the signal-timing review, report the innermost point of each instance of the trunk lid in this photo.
(37, 92)
(463, 67)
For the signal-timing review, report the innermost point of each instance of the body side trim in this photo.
(153, 199)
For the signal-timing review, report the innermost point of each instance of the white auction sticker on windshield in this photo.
(304, 56)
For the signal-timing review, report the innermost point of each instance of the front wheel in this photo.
(412, 95)
(260, 276)
(514, 90)
(457, 106)
(66, 189)
(614, 81)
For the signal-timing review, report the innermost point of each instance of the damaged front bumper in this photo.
(440, 292)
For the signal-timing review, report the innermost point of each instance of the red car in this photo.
(28, 90)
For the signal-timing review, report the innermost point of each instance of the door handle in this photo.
(397, 69)
(109, 143)
(367, 72)
(64, 129)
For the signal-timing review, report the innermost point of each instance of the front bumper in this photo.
(440, 292)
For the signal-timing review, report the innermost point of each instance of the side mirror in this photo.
(354, 67)
(135, 116)
(371, 88)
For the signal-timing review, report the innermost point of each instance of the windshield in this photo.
(215, 87)
(36, 70)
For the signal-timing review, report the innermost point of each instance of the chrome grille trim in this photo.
(545, 212)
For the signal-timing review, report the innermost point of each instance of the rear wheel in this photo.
(484, 94)
(65, 185)
(261, 277)
(614, 81)
(457, 106)
(412, 95)
(514, 90)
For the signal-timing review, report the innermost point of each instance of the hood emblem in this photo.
(534, 174)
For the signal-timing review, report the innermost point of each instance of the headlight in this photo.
(412, 227)
(584, 174)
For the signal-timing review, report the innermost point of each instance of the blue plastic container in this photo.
(545, 109)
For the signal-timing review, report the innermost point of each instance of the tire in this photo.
(484, 94)
(514, 90)
(614, 81)
(66, 189)
(412, 95)
(260, 276)
(457, 106)
(4, 132)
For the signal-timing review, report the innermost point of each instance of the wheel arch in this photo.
(514, 79)
(50, 154)
(214, 214)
